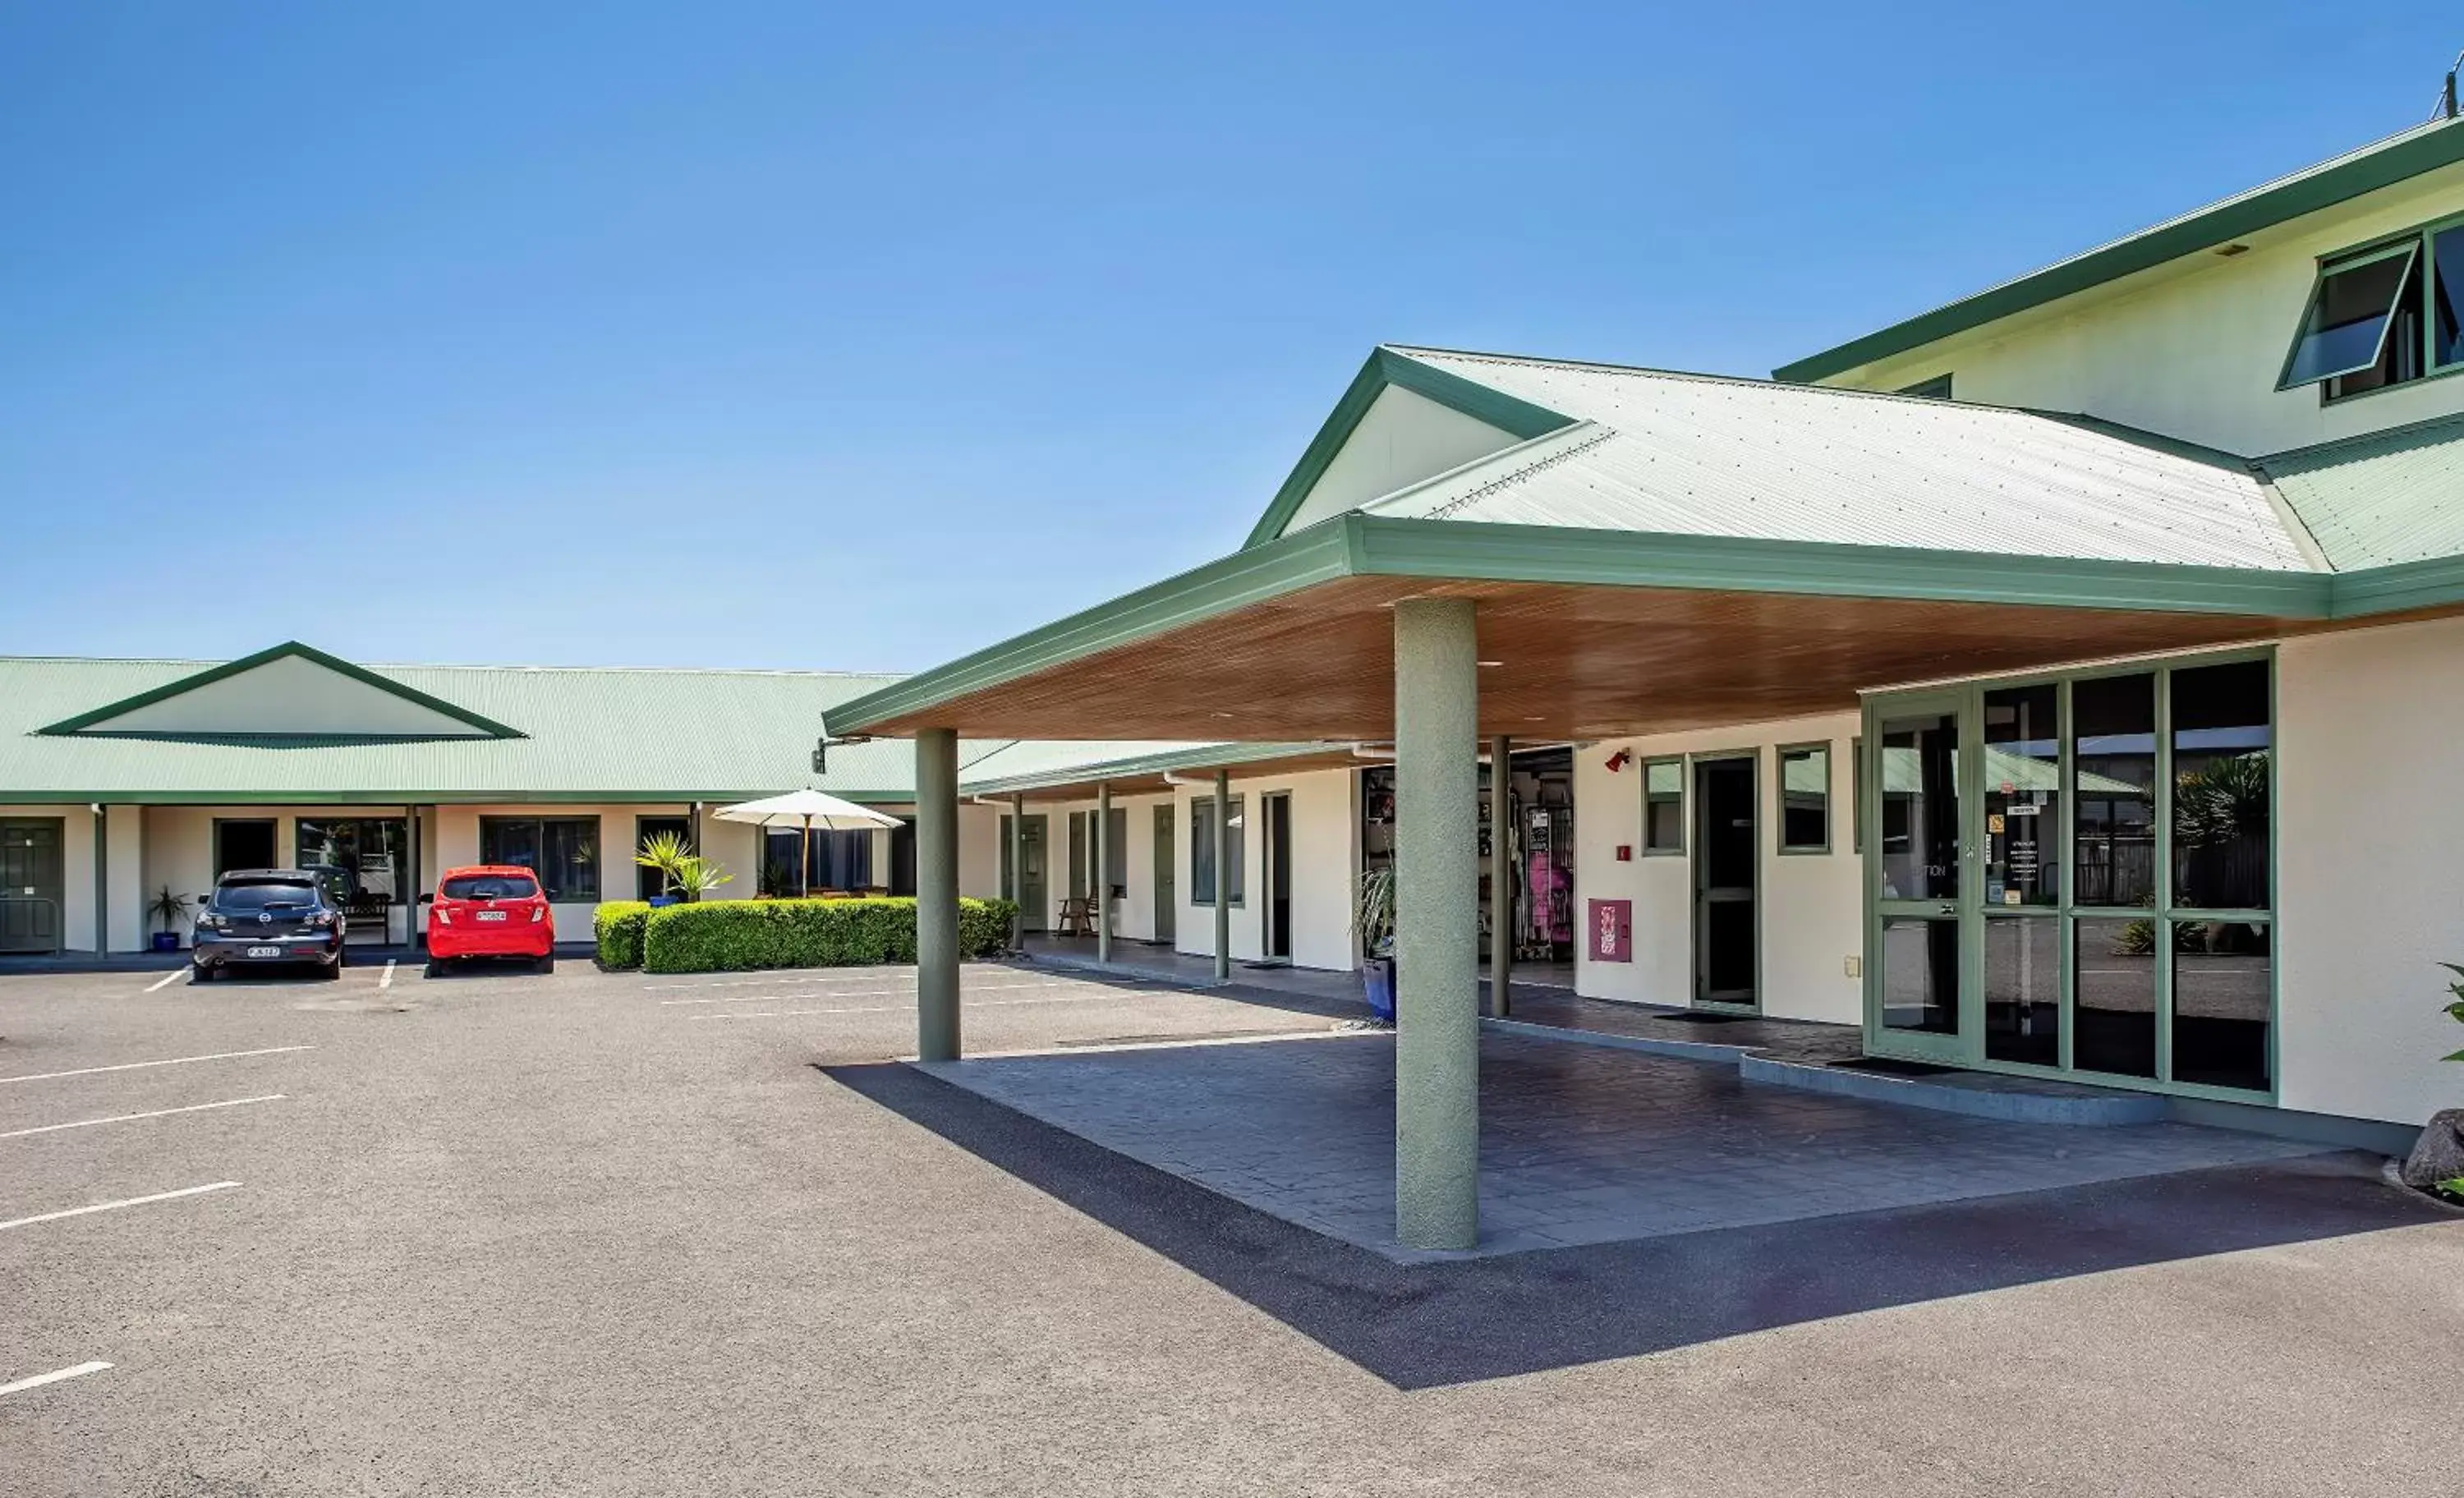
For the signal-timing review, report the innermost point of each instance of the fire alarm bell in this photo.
(1625, 852)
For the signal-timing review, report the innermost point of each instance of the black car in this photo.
(259, 916)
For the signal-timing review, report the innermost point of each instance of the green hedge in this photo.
(726, 936)
(618, 926)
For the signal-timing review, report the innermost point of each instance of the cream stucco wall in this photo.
(2194, 350)
(289, 694)
(1811, 904)
(2371, 733)
(1326, 850)
(1401, 439)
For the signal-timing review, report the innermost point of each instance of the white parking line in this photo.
(863, 993)
(176, 1061)
(893, 1008)
(114, 1206)
(164, 982)
(160, 1113)
(384, 979)
(40, 1380)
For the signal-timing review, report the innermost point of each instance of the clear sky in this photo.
(858, 337)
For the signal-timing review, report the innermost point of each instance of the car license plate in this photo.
(491, 914)
(265, 952)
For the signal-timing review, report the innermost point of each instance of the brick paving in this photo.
(1578, 1144)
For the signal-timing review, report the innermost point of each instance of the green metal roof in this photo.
(2382, 163)
(2386, 498)
(586, 733)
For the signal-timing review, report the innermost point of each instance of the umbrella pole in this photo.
(805, 876)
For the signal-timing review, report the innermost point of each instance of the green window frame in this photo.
(1663, 791)
(2166, 925)
(1807, 800)
(1856, 794)
(2423, 323)
(1937, 389)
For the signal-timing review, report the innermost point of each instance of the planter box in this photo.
(1378, 985)
(166, 941)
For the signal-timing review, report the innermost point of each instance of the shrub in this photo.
(726, 936)
(619, 927)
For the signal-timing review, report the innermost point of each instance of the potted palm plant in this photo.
(168, 909)
(686, 873)
(1372, 920)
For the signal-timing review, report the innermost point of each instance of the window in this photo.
(361, 857)
(2023, 814)
(1937, 389)
(2112, 770)
(2383, 315)
(491, 886)
(1805, 798)
(563, 851)
(1663, 806)
(1202, 853)
(2352, 309)
(1857, 793)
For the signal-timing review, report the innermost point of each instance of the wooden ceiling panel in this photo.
(1577, 662)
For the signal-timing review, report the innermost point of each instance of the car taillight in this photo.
(538, 913)
(444, 914)
(322, 920)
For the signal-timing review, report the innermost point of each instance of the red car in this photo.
(489, 910)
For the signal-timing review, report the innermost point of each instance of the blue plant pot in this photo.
(166, 941)
(1377, 984)
(662, 901)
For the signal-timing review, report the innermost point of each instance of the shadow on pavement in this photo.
(1423, 1326)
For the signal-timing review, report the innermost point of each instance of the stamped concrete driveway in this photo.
(594, 1234)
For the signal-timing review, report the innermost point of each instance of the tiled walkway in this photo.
(1578, 1144)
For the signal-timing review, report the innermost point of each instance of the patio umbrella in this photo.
(807, 809)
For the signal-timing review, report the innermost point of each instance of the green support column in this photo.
(1018, 870)
(1436, 924)
(1501, 877)
(101, 879)
(1223, 876)
(936, 894)
(1104, 856)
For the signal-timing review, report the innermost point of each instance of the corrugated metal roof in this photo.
(616, 732)
(2390, 496)
(1705, 455)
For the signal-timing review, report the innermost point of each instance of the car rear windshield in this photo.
(266, 895)
(491, 886)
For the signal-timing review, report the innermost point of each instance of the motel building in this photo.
(2060, 684)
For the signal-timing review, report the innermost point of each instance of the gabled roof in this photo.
(1684, 455)
(587, 734)
(2382, 163)
(319, 696)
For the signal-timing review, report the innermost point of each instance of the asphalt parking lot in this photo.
(612, 1233)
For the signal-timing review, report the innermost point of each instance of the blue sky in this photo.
(801, 335)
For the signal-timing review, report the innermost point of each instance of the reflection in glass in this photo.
(1663, 804)
(2023, 826)
(2220, 801)
(1921, 975)
(2346, 326)
(2113, 964)
(2446, 293)
(1805, 798)
(2023, 990)
(1921, 807)
(2113, 749)
(2221, 985)
(361, 858)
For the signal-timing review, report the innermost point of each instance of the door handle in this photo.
(1948, 908)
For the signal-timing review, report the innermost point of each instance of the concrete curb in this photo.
(1682, 1050)
(2085, 1108)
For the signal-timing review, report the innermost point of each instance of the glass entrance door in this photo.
(1922, 872)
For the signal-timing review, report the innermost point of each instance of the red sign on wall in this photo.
(1612, 923)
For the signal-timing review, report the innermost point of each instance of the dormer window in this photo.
(2383, 315)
